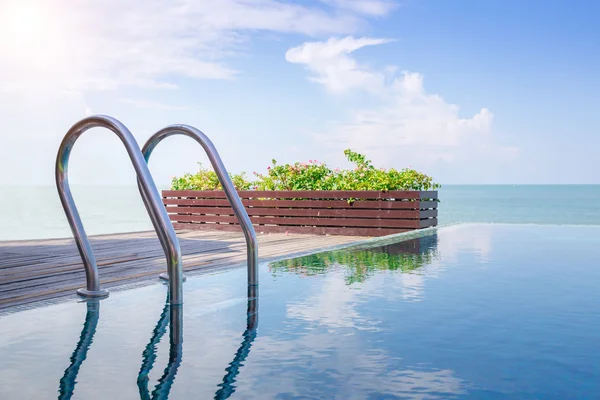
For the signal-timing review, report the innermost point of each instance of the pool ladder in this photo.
(152, 202)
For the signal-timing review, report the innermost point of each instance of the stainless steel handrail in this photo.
(228, 187)
(151, 198)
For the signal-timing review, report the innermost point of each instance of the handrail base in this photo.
(83, 292)
(165, 277)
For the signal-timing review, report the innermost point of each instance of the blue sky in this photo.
(468, 92)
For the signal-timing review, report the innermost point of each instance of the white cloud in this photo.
(407, 122)
(332, 65)
(104, 45)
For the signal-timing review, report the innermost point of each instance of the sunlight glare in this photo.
(26, 22)
(32, 39)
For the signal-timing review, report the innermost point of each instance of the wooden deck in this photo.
(32, 271)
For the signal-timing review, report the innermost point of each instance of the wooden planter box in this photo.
(361, 213)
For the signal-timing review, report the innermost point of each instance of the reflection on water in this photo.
(68, 381)
(150, 352)
(171, 316)
(227, 387)
(360, 263)
(494, 315)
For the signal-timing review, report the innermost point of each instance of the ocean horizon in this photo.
(35, 212)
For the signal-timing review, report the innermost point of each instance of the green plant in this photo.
(315, 175)
(206, 179)
(318, 176)
(299, 176)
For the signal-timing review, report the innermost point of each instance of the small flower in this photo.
(269, 167)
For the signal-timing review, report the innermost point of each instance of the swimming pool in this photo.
(470, 311)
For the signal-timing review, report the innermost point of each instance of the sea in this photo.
(35, 212)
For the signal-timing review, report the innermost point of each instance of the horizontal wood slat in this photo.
(316, 212)
(373, 213)
(342, 204)
(304, 194)
(286, 221)
(309, 230)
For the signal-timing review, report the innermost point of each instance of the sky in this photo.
(469, 92)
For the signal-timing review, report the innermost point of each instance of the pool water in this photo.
(470, 311)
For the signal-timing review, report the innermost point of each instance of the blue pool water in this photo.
(471, 311)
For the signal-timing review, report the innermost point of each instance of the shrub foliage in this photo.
(314, 175)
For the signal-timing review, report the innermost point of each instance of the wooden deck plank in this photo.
(131, 264)
(38, 270)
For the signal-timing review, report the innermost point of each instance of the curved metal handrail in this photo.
(226, 183)
(150, 196)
